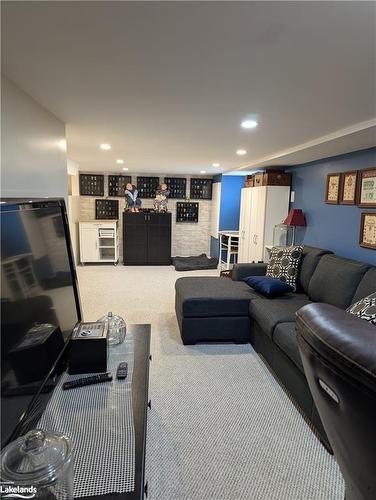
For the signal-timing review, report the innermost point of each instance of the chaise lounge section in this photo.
(213, 309)
(217, 309)
(220, 309)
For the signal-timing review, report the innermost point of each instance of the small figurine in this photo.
(160, 202)
(131, 196)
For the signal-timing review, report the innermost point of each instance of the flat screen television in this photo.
(39, 308)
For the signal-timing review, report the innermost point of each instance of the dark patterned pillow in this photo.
(365, 309)
(284, 264)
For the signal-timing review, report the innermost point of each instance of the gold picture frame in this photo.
(333, 188)
(367, 237)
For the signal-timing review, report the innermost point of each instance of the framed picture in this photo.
(367, 238)
(333, 185)
(367, 188)
(349, 185)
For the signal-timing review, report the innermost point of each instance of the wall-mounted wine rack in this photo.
(106, 209)
(147, 186)
(177, 187)
(117, 183)
(201, 189)
(91, 185)
(186, 212)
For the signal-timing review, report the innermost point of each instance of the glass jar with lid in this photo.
(117, 328)
(282, 235)
(38, 465)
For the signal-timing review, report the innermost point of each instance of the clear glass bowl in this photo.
(117, 328)
(41, 461)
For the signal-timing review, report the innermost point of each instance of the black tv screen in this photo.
(39, 307)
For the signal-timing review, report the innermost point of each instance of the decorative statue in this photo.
(160, 202)
(131, 197)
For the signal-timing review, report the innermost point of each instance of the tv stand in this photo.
(141, 405)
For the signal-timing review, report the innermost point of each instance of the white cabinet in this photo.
(99, 241)
(244, 225)
(262, 207)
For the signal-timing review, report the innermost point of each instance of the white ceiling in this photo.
(167, 83)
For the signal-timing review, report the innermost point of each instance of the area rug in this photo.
(220, 426)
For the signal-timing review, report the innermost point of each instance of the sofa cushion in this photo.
(270, 287)
(365, 309)
(285, 338)
(284, 264)
(213, 296)
(367, 285)
(310, 258)
(270, 312)
(335, 280)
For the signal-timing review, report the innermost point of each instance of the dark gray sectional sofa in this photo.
(220, 309)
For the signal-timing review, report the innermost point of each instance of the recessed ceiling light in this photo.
(216, 164)
(249, 124)
(202, 171)
(105, 146)
(241, 152)
(120, 161)
(125, 169)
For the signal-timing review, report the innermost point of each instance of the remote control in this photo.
(81, 382)
(122, 370)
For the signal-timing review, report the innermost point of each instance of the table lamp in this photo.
(295, 219)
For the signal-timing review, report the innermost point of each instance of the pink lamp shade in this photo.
(295, 218)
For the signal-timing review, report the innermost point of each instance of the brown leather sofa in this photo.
(338, 352)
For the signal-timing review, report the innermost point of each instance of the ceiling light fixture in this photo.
(105, 146)
(202, 171)
(120, 161)
(216, 164)
(249, 123)
(125, 169)
(241, 152)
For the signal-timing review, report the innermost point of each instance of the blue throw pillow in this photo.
(270, 287)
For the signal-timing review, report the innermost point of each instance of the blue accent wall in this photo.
(229, 211)
(335, 227)
(230, 202)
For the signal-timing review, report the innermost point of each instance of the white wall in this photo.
(33, 163)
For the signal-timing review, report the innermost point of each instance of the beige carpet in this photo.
(220, 427)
